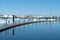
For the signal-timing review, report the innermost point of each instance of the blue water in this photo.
(35, 31)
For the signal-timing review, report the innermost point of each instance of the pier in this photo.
(35, 19)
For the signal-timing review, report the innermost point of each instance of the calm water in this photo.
(35, 31)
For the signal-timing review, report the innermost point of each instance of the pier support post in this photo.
(6, 20)
(24, 19)
(39, 20)
(19, 20)
(13, 19)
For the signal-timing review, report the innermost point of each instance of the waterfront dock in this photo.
(35, 19)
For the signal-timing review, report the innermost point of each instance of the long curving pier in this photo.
(46, 19)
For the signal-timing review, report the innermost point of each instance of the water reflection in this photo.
(6, 35)
(38, 26)
(13, 31)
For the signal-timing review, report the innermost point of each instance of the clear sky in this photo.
(30, 7)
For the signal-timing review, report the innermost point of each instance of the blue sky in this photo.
(30, 7)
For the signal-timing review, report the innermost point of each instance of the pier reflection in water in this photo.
(34, 31)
